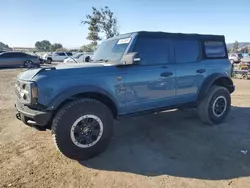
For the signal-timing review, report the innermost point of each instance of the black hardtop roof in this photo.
(177, 35)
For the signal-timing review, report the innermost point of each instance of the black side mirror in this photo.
(131, 58)
(87, 59)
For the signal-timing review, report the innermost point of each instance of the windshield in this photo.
(78, 56)
(111, 50)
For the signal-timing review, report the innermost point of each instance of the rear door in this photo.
(20, 58)
(8, 59)
(190, 69)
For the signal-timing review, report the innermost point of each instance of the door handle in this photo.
(200, 71)
(166, 74)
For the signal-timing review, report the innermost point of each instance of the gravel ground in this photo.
(169, 149)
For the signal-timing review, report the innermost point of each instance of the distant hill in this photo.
(4, 46)
(241, 44)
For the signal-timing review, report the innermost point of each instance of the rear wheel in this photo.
(83, 128)
(214, 108)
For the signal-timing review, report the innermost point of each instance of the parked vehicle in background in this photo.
(18, 59)
(78, 58)
(1, 51)
(235, 57)
(246, 59)
(57, 56)
(134, 73)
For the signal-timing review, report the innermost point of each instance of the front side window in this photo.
(20, 54)
(186, 51)
(111, 50)
(152, 51)
(61, 54)
(215, 49)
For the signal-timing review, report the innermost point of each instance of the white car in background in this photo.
(56, 56)
(78, 58)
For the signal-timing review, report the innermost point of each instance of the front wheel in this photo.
(214, 108)
(83, 128)
(27, 64)
(49, 60)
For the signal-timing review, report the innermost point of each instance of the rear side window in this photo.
(215, 49)
(152, 51)
(6, 55)
(186, 51)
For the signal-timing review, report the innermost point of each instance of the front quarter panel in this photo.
(59, 85)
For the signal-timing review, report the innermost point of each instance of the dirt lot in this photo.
(159, 150)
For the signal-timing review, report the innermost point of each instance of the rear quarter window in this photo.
(215, 49)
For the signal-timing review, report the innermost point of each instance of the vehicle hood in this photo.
(62, 70)
(80, 65)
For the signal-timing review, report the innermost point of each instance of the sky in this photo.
(23, 22)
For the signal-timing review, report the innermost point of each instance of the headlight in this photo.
(27, 92)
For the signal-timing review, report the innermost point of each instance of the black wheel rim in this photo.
(86, 131)
(219, 106)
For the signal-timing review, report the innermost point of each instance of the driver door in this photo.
(151, 83)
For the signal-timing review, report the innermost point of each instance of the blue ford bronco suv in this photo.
(129, 74)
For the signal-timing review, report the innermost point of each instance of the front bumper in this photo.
(25, 114)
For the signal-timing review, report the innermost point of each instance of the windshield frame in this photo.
(117, 38)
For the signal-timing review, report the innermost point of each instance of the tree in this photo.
(108, 23)
(61, 50)
(88, 48)
(101, 21)
(46, 46)
(55, 46)
(94, 26)
(235, 46)
(43, 45)
(4, 47)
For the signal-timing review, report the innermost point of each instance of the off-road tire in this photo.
(64, 120)
(205, 107)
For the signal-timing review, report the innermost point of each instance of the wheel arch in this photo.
(89, 92)
(216, 79)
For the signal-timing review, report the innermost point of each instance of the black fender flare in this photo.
(70, 92)
(218, 79)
